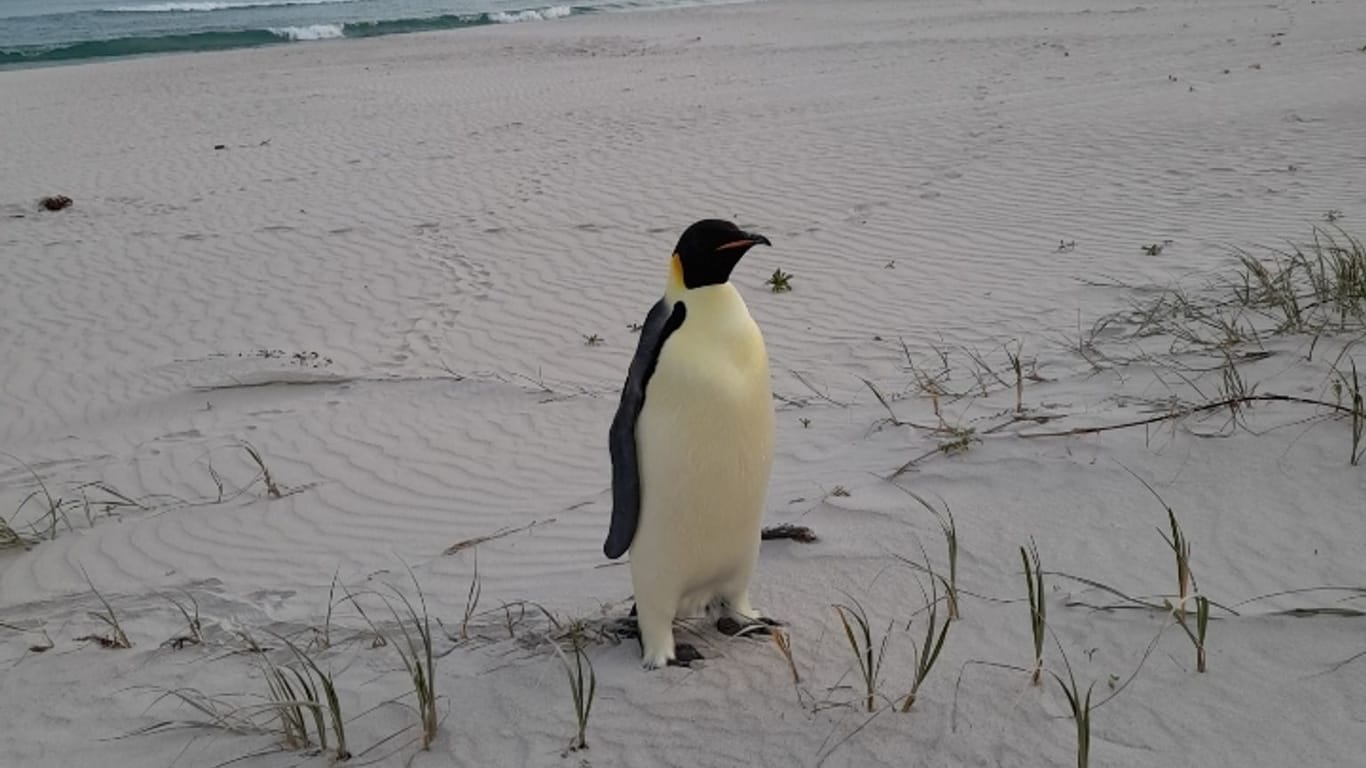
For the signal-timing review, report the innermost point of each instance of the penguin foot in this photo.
(729, 625)
(684, 656)
(628, 626)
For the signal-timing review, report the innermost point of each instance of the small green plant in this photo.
(1332, 215)
(928, 652)
(1153, 249)
(1038, 614)
(806, 424)
(840, 491)
(779, 281)
(582, 688)
(861, 645)
(592, 340)
(960, 440)
(1197, 636)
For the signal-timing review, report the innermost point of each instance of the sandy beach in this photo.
(404, 271)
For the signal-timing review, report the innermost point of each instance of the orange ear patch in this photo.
(676, 271)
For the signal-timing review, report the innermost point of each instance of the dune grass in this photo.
(931, 645)
(116, 637)
(1080, 705)
(868, 658)
(325, 685)
(415, 651)
(583, 682)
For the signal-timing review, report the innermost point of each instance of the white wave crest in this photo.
(311, 32)
(553, 12)
(215, 5)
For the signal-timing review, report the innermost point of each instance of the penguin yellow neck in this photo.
(720, 294)
(675, 289)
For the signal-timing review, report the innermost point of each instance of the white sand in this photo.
(483, 200)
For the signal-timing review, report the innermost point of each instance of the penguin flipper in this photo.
(662, 321)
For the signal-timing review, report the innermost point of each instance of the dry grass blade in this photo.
(116, 638)
(1038, 610)
(783, 642)
(272, 489)
(460, 546)
(190, 612)
(471, 599)
(219, 714)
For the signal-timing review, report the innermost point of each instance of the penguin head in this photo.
(709, 250)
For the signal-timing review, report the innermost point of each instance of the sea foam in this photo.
(215, 5)
(310, 32)
(553, 12)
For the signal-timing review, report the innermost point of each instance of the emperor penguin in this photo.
(692, 448)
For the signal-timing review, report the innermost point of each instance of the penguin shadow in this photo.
(685, 653)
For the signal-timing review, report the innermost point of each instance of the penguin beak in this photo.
(746, 241)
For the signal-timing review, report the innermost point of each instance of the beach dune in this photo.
(404, 272)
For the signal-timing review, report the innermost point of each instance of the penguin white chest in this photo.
(705, 439)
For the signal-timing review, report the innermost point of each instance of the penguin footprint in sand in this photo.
(692, 448)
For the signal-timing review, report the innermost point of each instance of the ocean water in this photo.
(49, 31)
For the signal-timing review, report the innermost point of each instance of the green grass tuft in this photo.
(583, 682)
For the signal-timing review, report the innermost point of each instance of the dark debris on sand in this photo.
(56, 202)
(788, 531)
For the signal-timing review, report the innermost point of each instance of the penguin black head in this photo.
(710, 249)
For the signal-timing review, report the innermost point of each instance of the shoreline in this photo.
(255, 38)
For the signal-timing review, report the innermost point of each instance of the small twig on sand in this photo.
(1180, 413)
(500, 533)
